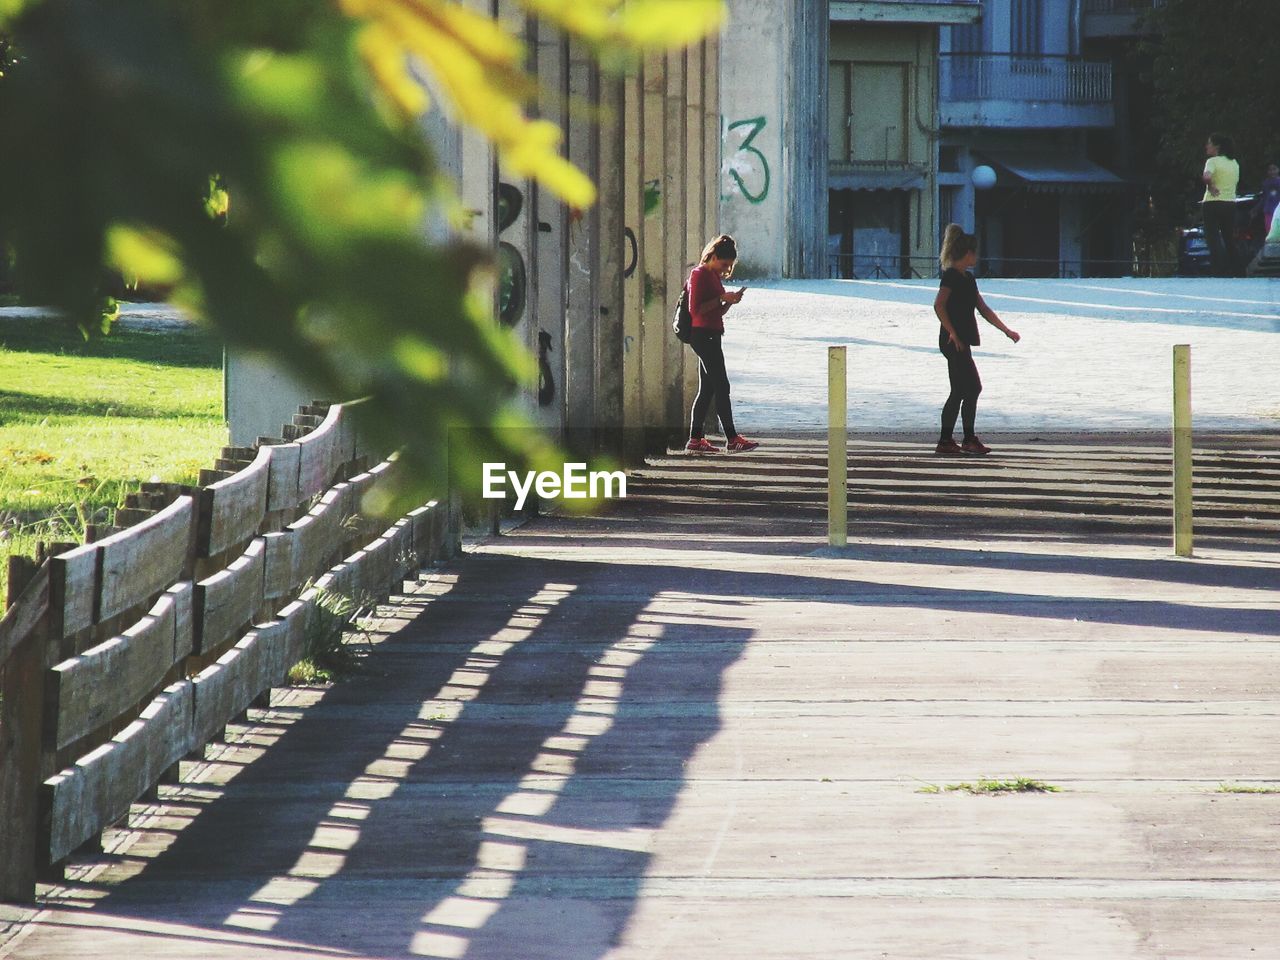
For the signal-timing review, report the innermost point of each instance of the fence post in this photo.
(1182, 450)
(837, 448)
(21, 719)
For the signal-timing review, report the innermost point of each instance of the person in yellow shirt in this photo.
(1221, 176)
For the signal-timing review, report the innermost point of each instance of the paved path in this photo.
(1095, 354)
(686, 730)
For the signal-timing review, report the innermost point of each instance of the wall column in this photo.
(655, 331)
(583, 241)
(633, 146)
(611, 179)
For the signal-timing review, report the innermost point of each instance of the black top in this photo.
(961, 304)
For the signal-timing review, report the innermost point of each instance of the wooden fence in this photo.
(123, 656)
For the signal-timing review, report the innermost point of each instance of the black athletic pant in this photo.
(965, 387)
(1220, 235)
(713, 383)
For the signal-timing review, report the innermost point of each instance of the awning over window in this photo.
(875, 180)
(1055, 173)
(907, 11)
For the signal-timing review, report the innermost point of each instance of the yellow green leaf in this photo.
(140, 255)
(387, 62)
(11, 8)
(669, 23)
(649, 24)
(420, 359)
(478, 65)
(315, 176)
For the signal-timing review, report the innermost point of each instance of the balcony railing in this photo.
(1018, 77)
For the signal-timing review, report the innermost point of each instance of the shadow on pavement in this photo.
(516, 742)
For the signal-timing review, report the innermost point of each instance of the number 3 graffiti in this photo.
(745, 164)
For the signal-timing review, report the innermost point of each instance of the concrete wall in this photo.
(599, 284)
(772, 97)
(260, 397)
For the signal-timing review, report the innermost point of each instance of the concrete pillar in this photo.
(675, 213)
(581, 305)
(804, 139)
(773, 76)
(516, 225)
(610, 319)
(655, 329)
(695, 190)
(632, 274)
(753, 67)
(712, 139)
(551, 224)
(964, 211)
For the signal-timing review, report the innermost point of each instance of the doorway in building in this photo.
(1030, 235)
(867, 233)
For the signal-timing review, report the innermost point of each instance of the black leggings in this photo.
(1219, 234)
(965, 387)
(713, 383)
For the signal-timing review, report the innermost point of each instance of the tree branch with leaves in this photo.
(308, 247)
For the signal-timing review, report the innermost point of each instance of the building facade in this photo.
(883, 130)
(1019, 100)
(831, 133)
(1011, 117)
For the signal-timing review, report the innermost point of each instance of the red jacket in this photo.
(705, 291)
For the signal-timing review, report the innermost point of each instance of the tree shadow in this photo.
(492, 785)
(14, 403)
(493, 751)
(171, 347)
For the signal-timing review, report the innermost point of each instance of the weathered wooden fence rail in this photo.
(120, 657)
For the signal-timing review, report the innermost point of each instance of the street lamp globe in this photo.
(983, 177)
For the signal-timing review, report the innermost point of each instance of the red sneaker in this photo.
(975, 447)
(740, 444)
(700, 445)
(948, 448)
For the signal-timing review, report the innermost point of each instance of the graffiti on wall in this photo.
(513, 279)
(745, 172)
(546, 379)
(652, 196)
(633, 252)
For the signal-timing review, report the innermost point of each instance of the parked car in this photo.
(1193, 249)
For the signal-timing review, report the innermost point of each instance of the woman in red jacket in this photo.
(708, 303)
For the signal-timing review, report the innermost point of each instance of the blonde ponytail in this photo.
(955, 245)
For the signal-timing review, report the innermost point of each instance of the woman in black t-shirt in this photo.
(957, 299)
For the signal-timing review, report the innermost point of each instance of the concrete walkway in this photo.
(1095, 355)
(687, 730)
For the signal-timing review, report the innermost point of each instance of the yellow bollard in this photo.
(837, 448)
(1182, 450)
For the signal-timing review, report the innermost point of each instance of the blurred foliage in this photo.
(1212, 69)
(264, 160)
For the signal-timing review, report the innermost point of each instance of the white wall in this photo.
(753, 58)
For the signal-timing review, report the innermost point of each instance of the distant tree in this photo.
(115, 117)
(1215, 66)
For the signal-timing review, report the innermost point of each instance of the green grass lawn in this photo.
(82, 424)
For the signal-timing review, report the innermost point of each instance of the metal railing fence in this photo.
(1024, 78)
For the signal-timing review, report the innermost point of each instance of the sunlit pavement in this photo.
(687, 729)
(1095, 354)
